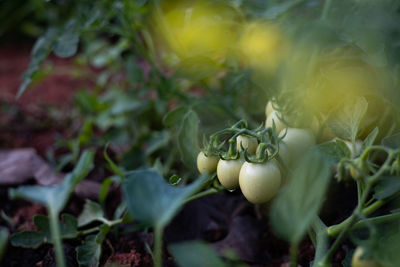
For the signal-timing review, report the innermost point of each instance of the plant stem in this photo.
(376, 220)
(294, 247)
(56, 238)
(97, 228)
(207, 192)
(321, 239)
(158, 234)
(334, 230)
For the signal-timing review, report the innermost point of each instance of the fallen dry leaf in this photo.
(18, 166)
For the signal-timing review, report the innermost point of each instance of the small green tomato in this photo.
(206, 164)
(248, 142)
(298, 141)
(359, 261)
(274, 117)
(259, 182)
(228, 172)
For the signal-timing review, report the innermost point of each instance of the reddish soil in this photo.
(56, 89)
(25, 122)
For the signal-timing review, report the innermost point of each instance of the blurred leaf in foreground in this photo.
(196, 254)
(295, 208)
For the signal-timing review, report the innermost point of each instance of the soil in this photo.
(221, 220)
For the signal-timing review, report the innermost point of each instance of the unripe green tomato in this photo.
(259, 182)
(298, 141)
(206, 164)
(358, 261)
(268, 108)
(274, 117)
(248, 142)
(228, 172)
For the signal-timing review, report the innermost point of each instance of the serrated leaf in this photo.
(369, 141)
(345, 121)
(295, 208)
(55, 197)
(187, 138)
(174, 116)
(387, 187)
(196, 254)
(335, 150)
(28, 239)
(392, 141)
(91, 212)
(3, 241)
(42, 222)
(151, 200)
(89, 253)
(69, 227)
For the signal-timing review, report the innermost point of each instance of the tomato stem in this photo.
(56, 238)
(294, 247)
(207, 192)
(158, 234)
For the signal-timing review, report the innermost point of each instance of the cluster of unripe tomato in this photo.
(257, 161)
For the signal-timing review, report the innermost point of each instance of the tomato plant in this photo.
(322, 75)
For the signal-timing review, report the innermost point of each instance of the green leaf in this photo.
(174, 116)
(112, 165)
(40, 51)
(89, 253)
(334, 150)
(105, 185)
(151, 200)
(196, 254)
(91, 212)
(369, 141)
(387, 187)
(345, 121)
(295, 208)
(67, 44)
(28, 239)
(33, 239)
(3, 241)
(386, 249)
(157, 140)
(392, 141)
(42, 223)
(69, 227)
(55, 197)
(187, 138)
